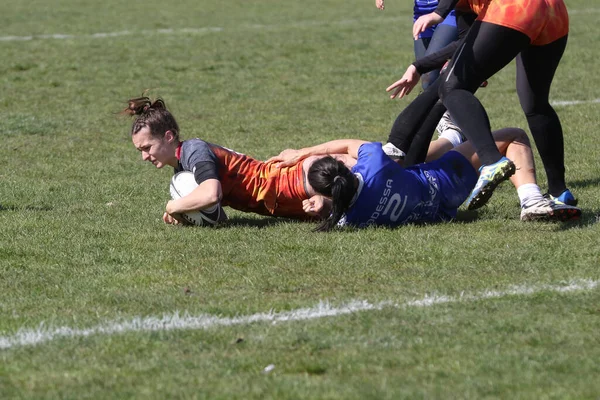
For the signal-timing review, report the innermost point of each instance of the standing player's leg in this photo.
(420, 46)
(444, 34)
(409, 121)
(414, 127)
(514, 144)
(536, 67)
(487, 49)
(421, 146)
(510, 142)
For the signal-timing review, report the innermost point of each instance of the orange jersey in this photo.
(544, 21)
(247, 184)
(255, 186)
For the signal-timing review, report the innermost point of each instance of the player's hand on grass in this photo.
(169, 219)
(424, 22)
(174, 219)
(406, 84)
(380, 4)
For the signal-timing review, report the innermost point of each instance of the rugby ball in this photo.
(182, 184)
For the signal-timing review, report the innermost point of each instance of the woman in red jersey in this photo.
(223, 175)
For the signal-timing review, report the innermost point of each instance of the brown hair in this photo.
(153, 114)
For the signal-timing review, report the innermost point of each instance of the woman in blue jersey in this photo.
(378, 191)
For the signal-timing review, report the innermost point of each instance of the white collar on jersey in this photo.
(361, 183)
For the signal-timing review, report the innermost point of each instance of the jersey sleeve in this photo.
(197, 157)
(437, 59)
(371, 159)
(445, 6)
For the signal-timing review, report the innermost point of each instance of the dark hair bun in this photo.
(140, 105)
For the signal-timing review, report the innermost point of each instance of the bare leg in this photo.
(438, 148)
(512, 143)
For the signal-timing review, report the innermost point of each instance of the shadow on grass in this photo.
(4, 207)
(259, 222)
(465, 216)
(588, 217)
(582, 183)
(462, 217)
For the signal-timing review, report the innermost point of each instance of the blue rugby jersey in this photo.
(391, 195)
(422, 7)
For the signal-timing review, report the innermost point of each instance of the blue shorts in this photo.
(456, 179)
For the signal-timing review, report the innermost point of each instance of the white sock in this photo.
(453, 136)
(392, 151)
(529, 193)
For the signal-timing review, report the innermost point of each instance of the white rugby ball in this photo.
(182, 184)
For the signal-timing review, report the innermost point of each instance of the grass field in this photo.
(100, 299)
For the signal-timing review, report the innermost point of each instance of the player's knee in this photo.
(512, 135)
(534, 105)
(531, 109)
(521, 136)
(447, 85)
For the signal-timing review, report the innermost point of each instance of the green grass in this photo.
(82, 243)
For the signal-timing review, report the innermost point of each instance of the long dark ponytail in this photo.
(331, 178)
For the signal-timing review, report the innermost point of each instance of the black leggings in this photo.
(414, 120)
(487, 49)
(536, 66)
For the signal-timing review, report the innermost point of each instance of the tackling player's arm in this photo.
(341, 146)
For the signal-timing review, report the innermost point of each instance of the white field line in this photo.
(300, 24)
(559, 103)
(168, 322)
(209, 29)
(102, 35)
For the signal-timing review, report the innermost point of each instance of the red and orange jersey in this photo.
(255, 186)
(544, 21)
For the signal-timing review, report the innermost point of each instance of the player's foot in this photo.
(446, 122)
(549, 210)
(393, 152)
(490, 176)
(565, 197)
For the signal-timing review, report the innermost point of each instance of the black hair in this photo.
(331, 178)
